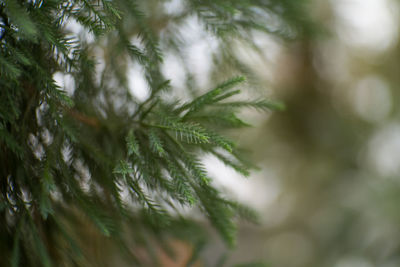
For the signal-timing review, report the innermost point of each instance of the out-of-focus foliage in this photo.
(93, 142)
(331, 160)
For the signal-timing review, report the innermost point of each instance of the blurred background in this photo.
(328, 188)
(328, 184)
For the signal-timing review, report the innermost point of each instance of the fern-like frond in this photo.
(210, 97)
(258, 104)
(187, 132)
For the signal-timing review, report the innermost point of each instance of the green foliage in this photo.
(98, 154)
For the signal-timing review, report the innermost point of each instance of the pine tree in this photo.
(100, 157)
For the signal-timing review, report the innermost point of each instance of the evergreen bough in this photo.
(124, 165)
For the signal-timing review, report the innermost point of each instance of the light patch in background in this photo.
(173, 7)
(199, 51)
(264, 61)
(199, 57)
(371, 99)
(257, 191)
(137, 41)
(173, 70)
(371, 24)
(76, 28)
(83, 175)
(72, 26)
(100, 64)
(384, 150)
(65, 81)
(137, 83)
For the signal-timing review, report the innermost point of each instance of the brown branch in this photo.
(91, 121)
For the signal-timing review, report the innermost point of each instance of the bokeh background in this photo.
(327, 186)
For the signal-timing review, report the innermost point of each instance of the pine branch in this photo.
(88, 153)
(258, 104)
(209, 97)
